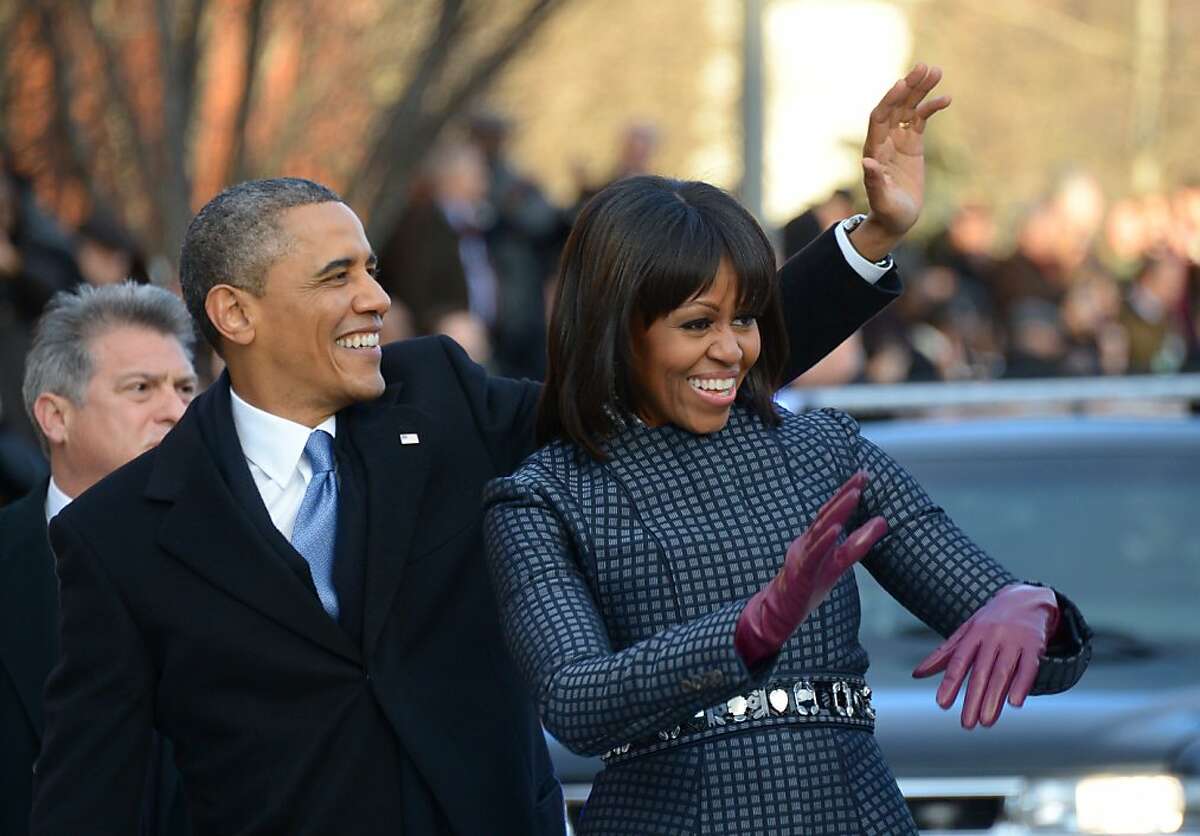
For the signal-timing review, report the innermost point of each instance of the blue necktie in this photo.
(315, 532)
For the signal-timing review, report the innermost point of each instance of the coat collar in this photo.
(233, 556)
(207, 529)
(28, 601)
(394, 441)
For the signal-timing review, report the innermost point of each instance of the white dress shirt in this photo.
(274, 450)
(56, 500)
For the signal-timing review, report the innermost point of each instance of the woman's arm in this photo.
(825, 298)
(590, 696)
(935, 570)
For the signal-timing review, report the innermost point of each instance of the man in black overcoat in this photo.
(291, 586)
(108, 375)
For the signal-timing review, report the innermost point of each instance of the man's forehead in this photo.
(321, 227)
(126, 348)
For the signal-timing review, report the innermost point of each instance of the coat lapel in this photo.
(28, 602)
(207, 530)
(395, 443)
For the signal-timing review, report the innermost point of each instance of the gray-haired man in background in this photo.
(108, 375)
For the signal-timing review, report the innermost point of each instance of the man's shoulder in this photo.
(432, 366)
(23, 505)
(112, 500)
(414, 354)
(27, 512)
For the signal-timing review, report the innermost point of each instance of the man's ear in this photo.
(231, 312)
(53, 414)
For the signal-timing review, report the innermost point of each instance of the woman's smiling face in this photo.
(689, 364)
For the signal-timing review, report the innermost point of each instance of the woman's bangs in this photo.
(684, 267)
(754, 265)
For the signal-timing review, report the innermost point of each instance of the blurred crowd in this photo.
(474, 253)
(37, 259)
(1083, 287)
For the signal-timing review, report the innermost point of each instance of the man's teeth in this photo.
(720, 384)
(367, 340)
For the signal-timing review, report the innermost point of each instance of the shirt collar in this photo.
(272, 443)
(56, 500)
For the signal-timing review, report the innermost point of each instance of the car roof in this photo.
(1061, 435)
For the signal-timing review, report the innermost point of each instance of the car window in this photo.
(1120, 535)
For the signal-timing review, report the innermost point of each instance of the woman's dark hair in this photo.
(639, 249)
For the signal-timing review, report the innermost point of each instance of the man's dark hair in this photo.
(236, 238)
(641, 248)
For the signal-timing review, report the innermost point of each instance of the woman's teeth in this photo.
(720, 385)
(367, 340)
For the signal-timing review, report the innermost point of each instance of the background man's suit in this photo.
(184, 608)
(28, 649)
(28, 646)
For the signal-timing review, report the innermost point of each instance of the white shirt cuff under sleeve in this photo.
(871, 271)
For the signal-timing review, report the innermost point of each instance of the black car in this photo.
(1107, 510)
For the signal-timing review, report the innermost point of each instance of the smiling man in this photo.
(292, 586)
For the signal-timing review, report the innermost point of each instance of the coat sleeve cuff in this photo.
(713, 670)
(870, 271)
(1069, 652)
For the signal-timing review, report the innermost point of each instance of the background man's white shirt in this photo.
(56, 500)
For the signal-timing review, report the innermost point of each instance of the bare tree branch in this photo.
(255, 16)
(120, 96)
(400, 120)
(179, 59)
(189, 62)
(411, 131)
(8, 22)
(78, 155)
(309, 93)
(146, 147)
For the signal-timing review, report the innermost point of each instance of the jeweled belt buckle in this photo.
(804, 698)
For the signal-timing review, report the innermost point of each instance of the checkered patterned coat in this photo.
(620, 583)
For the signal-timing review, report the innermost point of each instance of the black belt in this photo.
(820, 699)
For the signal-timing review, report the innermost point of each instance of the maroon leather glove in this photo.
(813, 565)
(1000, 645)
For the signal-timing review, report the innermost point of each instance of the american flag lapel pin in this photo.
(410, 438)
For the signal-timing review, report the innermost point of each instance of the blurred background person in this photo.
(843, 365)
(108, 376)
(1096, 343)
(1034, 269)
(524, 237)
(966, 246)
(436, 261)
(35, 262)
(36, 258)
(1125, 239)
(1154, 315)
(636, 149)
(1037, 346)
(107, 252)
(805, 227)
(1078, 205)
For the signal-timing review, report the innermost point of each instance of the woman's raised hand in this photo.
(894, 161)
(813, 564)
